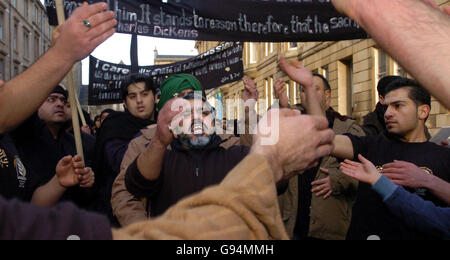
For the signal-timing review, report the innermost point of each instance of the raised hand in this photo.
(296, 149)
(297, 72)
(170, 118)
(75, 41)
(250, 90)
(280, 93)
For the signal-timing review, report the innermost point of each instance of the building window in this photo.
(14, 3)
(399, 71)
(36, 47)
(15, 35)
(383, 64)
(16, 70)
(345, 86)
(381, 67)
(253, 53)
(272, 91)
(293, 45)
(2, 68)
(1, 24)
(26, 44)
(36, 15)
(267, 93)
(25, 8)
(268, 48)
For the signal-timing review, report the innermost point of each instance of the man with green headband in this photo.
(194, 161)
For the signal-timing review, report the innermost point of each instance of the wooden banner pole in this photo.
(71, 88)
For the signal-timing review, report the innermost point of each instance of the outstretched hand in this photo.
(365, 171)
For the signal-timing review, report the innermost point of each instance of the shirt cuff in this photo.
(384, 187)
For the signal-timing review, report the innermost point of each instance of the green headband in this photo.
(175, 84)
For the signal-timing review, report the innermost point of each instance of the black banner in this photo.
(228, 20)
(214, 68)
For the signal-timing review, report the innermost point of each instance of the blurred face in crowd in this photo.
(198, 126)
(53, 111)
(402, 115)
(98, 122)
(324, 95)
(103, 117)
(139, 101)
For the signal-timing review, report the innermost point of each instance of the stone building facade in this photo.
(352, 67)
(24, 35)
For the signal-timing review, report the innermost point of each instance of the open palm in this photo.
(365, 171)
(297, 72)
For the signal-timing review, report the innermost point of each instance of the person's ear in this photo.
(327, 97)
(424, 112)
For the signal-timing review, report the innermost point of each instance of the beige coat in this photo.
(330, 218)
(243, 207)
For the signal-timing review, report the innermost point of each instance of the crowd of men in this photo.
(160, 170)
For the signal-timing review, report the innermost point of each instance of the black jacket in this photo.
(41, 153)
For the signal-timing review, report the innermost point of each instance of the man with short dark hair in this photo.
(42, 141)
(118, 129)
(404, 155)
(373, 123)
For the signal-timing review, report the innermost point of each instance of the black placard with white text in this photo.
(214, 68)
(230, 20)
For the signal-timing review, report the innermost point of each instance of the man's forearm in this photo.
(314, 107)
(49, 194)
(33, 85)
(343, 147)
(439, 188)
(414, 34)
(150, 162)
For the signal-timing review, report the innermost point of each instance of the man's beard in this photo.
(196, 141)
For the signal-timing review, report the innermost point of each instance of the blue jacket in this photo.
(413, 210)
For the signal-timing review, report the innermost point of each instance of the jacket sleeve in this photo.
(138, 185)
(413, 210)
(244, 206)
(127, 208)
(20, 221)
(341, 183)
(114, 153)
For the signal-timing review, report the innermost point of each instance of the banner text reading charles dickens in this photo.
(231, 20)
(214, 68)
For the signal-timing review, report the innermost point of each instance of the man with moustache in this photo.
(42, 141)
(181, 161)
